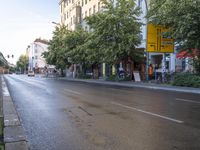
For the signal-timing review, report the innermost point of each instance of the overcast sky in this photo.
(22, 21)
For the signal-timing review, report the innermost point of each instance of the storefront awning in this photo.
(187, 54)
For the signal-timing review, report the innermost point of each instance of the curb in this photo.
(139, 85)
(14, 136)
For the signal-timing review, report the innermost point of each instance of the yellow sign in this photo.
(158, 41)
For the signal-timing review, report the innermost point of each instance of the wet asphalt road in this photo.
(62, 115)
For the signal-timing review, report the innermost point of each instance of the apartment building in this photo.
(36, 60)
(73, 12)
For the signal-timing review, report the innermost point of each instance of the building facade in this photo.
(73, 12)
(34, 51)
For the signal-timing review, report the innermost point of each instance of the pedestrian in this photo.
(121, 72)
(150, 71)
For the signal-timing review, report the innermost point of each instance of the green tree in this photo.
(65, 47)
(73, 45)
(22, 63)
(115, 32)
(56, 54)
(183, 19)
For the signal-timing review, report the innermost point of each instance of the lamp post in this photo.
(32, 58)
(55, 23)
(147, 53)
(30, 54)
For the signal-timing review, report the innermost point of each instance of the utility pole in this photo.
(147, 53)
(163, 67)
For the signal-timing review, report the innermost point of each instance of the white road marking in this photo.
(149, 113)
(187, 100)
(67, 90)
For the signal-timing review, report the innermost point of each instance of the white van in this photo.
(31, 73)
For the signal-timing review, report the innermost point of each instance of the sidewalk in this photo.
(14, 137)
(131, 84)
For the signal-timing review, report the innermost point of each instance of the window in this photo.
(140, 36)
(85, 13)
(72, 1)
(74, 19)
(79, 3)
(99, 6)
(64, 17)
(139, 3)
(82, 2)
(67, 14)
(36, 57)
(90, 11)
(85, 1)
(94, 9)
(61, 8)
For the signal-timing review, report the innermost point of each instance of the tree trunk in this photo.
(95, 72)
(74, 72)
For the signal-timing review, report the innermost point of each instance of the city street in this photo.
(65, 115)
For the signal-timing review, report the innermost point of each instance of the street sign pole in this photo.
(163, 67)
(147, 53)
(147, 66)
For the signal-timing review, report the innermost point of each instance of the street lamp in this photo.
(30, 55)
(55, 23)
(147, 53)
(32, 63)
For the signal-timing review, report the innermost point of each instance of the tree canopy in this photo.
(183, 19)
(114, 36)
(56, 54)
(181, 16)
(73, 45)
(22, 63)
(115, 31)
(65, 47)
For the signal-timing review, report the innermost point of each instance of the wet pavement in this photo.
(64, 115)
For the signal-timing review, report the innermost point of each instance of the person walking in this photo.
(150, 71)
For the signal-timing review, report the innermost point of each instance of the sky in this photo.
(22, 21)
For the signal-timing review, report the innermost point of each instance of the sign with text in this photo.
(136, 75)
(158, 40)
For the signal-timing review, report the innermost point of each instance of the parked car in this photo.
(31, 73)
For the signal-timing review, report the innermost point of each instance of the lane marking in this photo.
(74, 92)
(149, 113)
(187, 100)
